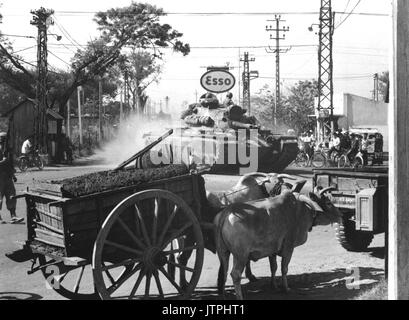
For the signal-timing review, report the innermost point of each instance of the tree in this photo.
(142, 70)
(294, 109)
(299, 104)
(384, 85)
(136, 25)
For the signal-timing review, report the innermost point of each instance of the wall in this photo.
(361, 112)
(21, 125)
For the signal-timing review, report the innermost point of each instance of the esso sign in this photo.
(218, 81)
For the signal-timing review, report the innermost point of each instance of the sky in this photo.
(361, 42)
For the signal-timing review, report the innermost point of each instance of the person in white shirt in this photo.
(27, 147)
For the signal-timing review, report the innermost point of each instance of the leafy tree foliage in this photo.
(294, 109)
(134, 26)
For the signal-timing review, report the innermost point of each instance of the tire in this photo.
(38, 163)
(343, 161)
(23, 164)
(352, 239)
(318, 160)
(358, 163)
(301, 160)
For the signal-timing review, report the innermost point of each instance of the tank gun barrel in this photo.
(241, 125)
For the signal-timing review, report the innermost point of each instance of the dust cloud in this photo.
(129, 138)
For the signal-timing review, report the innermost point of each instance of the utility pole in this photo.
(277, 51)
(68, 129)
(247, 77)
(100, 110)
(398, 123)
(121, 108)
(376, 87)
(79, 89)
(41, 19)
(325, 123)
(126, 96)
(167, 104)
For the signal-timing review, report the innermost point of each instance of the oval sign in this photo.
(217, 81)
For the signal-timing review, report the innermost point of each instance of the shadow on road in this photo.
(333, 285)
(19, 296)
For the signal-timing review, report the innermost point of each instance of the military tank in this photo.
(223, 140)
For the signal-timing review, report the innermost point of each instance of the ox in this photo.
(251, 186)
(267, 228)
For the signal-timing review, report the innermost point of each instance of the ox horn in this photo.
(313, 205)
(321, 192)
(286, 176)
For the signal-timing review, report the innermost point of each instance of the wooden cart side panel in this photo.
(83, 226)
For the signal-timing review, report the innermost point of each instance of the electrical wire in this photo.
(77, 13)
(356, 5)
(68, 64)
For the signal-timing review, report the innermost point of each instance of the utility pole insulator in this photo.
(246, 76)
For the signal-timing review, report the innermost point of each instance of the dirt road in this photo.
(320, 269)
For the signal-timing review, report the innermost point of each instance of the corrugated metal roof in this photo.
(54, 114)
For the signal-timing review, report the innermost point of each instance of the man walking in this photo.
(7, 179)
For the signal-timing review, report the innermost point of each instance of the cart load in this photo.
(110, 180)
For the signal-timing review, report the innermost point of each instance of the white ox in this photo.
(267, 228)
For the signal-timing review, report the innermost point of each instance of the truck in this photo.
(362, 197)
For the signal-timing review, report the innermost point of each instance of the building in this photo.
(356, 112)
(21, 126)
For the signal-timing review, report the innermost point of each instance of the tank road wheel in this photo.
(133, 256)
(75, 283)
(352, 239)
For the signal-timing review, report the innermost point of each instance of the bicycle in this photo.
(345, 162)
(302, 159)
(30, 161)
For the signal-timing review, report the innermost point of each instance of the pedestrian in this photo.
(364, 148)
(7, 179)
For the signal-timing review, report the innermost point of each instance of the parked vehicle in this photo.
(30, 161)
(362, 197)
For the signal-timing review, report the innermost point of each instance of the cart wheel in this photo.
(75, 283)
(138, 233)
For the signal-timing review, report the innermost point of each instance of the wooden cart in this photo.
(119, 243)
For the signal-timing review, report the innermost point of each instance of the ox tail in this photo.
(222, 251)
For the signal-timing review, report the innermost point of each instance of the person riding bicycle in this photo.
(335, 145)
(27, 148)
(309, 143)
(364, 148)
(355, 145)
(345, 141)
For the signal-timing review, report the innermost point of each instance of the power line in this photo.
(59, 58)
(75, 13)
(349, 14)
(67, 34)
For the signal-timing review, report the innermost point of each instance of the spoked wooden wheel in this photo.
(75, 283)
(133, 253)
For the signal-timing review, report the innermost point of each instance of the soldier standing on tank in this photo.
(229, 100)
